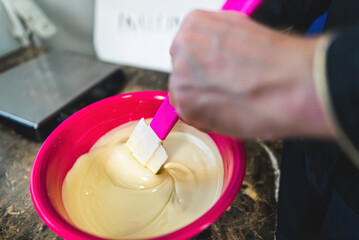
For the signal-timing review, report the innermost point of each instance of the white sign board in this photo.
(139, 32)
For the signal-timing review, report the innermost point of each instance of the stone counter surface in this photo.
(252, 215)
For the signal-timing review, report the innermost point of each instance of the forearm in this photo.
(337, 83)
(281, 14)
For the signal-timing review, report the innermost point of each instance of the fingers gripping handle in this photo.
(164, 120)
(166, 116)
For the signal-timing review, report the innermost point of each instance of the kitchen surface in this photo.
(252, 215)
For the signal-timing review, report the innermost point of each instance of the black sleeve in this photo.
(281, 14)
(342, 76)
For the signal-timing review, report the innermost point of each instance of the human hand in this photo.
(234, 76)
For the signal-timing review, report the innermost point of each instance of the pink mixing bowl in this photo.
(78, 133)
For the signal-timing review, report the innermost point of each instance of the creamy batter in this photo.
(109, 194)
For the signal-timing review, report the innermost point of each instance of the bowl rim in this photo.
(65, 230)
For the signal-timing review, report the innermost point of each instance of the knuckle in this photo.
(193, 18)
(182, 42)
(179, 66)
(195, 15)
(186, 38)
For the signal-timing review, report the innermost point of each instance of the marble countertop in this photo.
(252, 215)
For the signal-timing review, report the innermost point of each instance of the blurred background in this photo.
(73, 21)
(136, 33)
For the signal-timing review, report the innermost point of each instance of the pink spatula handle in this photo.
(243, 6)
(164, 120)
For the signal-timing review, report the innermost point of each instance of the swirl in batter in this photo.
(109, 194)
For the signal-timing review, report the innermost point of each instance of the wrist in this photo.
(308, 112)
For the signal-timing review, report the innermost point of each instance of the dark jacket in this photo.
(337, 161)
